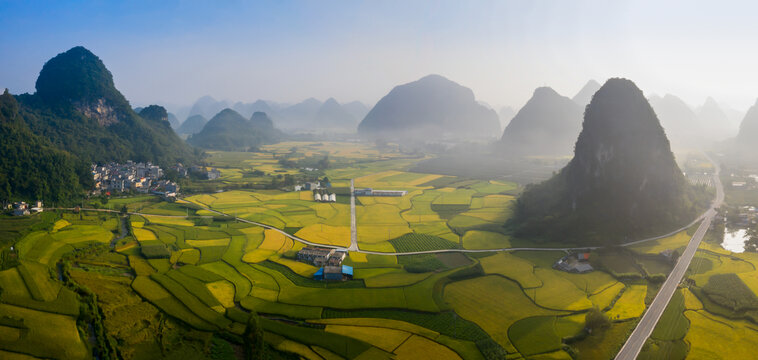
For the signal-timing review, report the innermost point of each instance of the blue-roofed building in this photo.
(319, 275)
(347, 271)
(334, 273)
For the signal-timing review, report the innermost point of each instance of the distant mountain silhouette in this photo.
(247, 109)
(678, 120)
(174, 121)
(430, 108)
(356, 109)
(298, 116)
(547, 125)
(79, 109)
(745, 144)
(715, 122)
(622, 184)
(584, 96)
(505, 115)
(230, 131)
(332, 116)
(207, 106)
(193, 125)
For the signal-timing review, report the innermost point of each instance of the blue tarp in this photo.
(319, 275)
(347, 270)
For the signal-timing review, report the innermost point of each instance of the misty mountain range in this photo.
(310, 115)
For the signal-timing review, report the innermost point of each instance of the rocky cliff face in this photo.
(622, 183)
(78, 108)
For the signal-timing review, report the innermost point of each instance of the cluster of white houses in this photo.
(131, 176)
(325, 197)
(21, 208)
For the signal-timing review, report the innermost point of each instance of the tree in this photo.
(595, 320)
(253, 337)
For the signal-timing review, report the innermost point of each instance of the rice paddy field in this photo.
(715, 314)
(183, 276)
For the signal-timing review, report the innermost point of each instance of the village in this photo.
(131, 176)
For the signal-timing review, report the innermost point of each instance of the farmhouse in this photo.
(574, 263)
(372, 192)
(319, 256)
(334, 273)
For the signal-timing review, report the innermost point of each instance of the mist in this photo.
(175, 52)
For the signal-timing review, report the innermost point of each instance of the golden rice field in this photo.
(488, 311)
(630, 305)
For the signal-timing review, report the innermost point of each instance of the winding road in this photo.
(645, 327)
(353, 234)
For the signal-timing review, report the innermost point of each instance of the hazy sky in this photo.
(172, 52)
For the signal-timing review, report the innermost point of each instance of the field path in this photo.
(645, 327)
(353, 230)
(707, 216)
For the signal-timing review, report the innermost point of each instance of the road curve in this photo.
(354, 244)
(645, 327)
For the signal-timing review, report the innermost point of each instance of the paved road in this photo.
(353, 234)
(633, 345)
(353, 230)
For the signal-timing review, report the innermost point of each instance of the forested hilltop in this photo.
(77, 113)
(31, 168)
(622, 182)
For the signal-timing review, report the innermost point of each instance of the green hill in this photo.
(230, 131)
(78, 108)
(31, 168)
(622, 183)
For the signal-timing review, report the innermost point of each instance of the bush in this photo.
(595, 320)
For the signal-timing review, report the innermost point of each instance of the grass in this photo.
(619, 264)
(194, 304)
(223, 291)
(340, 345)
(630, 305)
(46, 335)
(512, 267)
(38, 281)
(543, 334)
(421, 242)
(488, 311)
(557, 292)
(713, 337)
(383, 338)
(394, 278)
(242, 285)
(655, 266)
(604, 344)
(419, 345)
(728, 290)
(655, 247)
(604, 299)
(673, 325)
(381, 323)
(480, 240)
(292, 311)
(326, 234)
(197, 288)
(161, 298)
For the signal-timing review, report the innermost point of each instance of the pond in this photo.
(734, 240)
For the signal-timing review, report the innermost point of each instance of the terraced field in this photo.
(189, 277)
